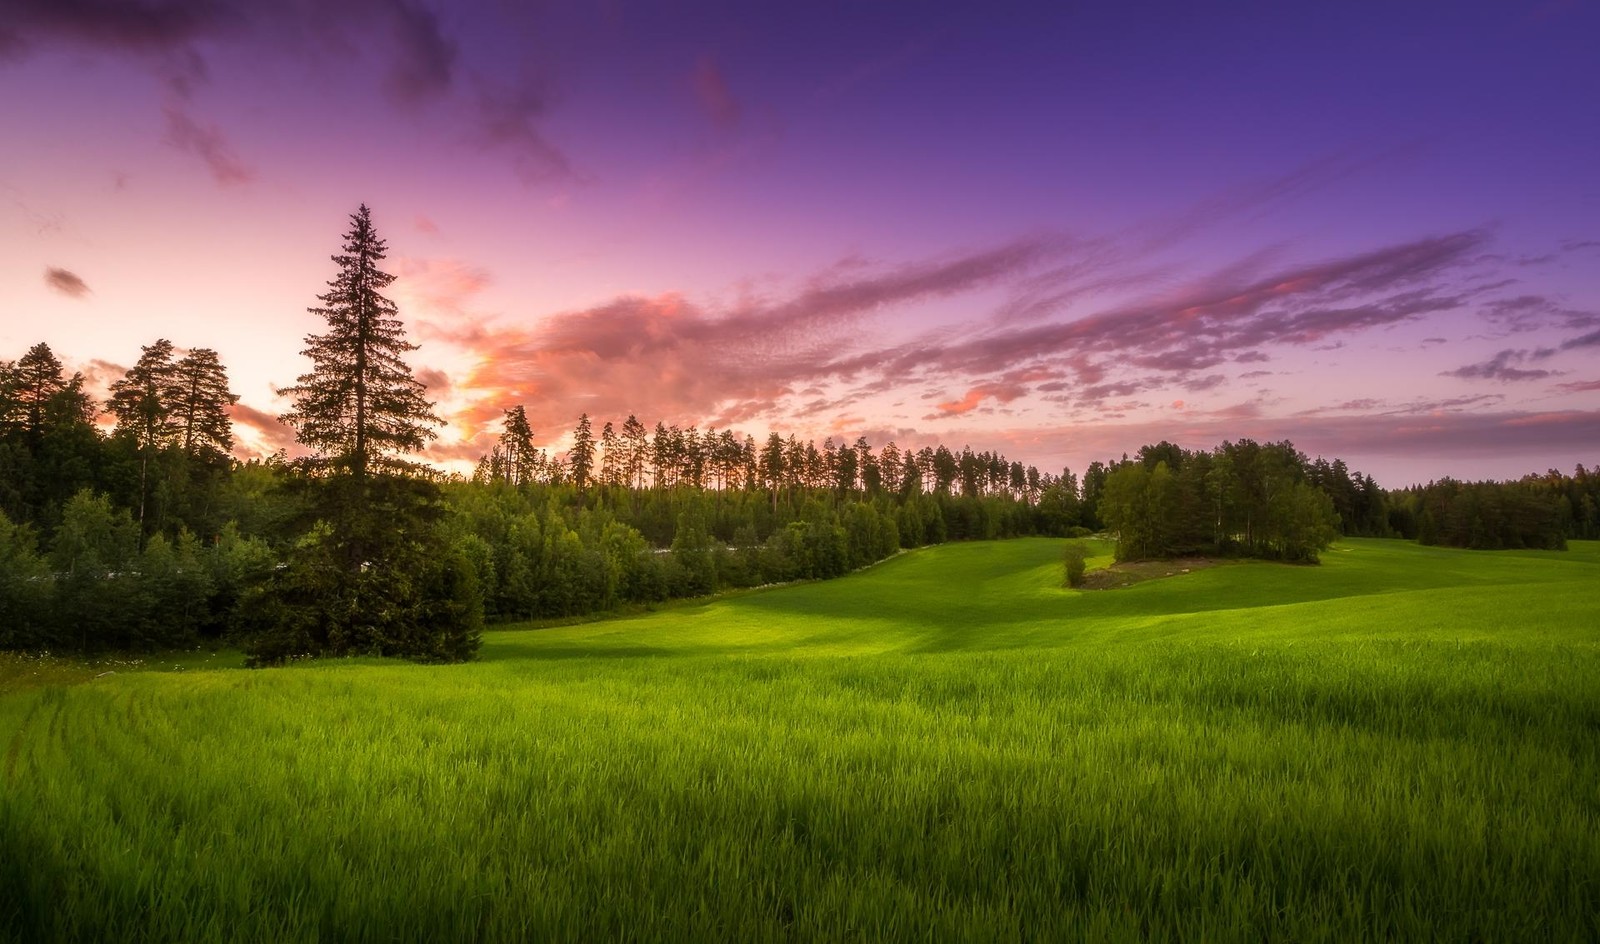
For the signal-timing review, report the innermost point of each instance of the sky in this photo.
(1059, 231)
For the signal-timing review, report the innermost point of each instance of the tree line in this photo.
(1536, 511)
(152, 535)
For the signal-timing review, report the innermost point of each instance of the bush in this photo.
(1074, 559)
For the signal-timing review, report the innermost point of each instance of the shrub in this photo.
(1074, 559)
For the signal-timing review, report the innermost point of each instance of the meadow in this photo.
(1401, 743)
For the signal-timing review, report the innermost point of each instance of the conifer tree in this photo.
(142, 403)
(376, 573)
(36, 378)
(200, 406)
(142, 400)
(611, 465)
(360, 404)
(582, 456)
(636, 449)
(518, 455)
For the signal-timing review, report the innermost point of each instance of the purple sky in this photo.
(1057, 230)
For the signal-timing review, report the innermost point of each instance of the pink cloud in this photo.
(1000, 393)
(687, 363)
(814, 352)
(442, 286)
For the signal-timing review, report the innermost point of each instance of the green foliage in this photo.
(694, 568)
(174, 589)
(1532, 513)
(236, 563)
(377, 575)
(94, 538)
(1075, 563)
(1240, 498)
(24, 588)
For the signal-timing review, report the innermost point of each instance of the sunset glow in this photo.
(1059, 232)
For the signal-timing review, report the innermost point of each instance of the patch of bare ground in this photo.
(1128, 573)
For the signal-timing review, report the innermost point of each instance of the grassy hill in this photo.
(1402, 742)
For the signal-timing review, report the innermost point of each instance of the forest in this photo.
(130, 524)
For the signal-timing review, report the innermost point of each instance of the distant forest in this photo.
(153, 535)
(150, 535)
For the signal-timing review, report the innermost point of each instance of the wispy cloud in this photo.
(1592, 339)
(423, 59)
(1523, 313)
(415, 60)
(1499, 367)
(137, 27)
(771, 357)
(509, 120)
(440, 286)
(208, 143)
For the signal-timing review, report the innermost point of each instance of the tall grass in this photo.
(1401, 743)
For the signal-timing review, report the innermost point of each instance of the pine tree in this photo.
(611, 464)
(636, 449)
(36, 378)
(142, 403)
(517, 453)
(142, 400)
(581, 457)
(200, 406)
(360, 403)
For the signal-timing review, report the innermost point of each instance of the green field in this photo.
(1401, 743)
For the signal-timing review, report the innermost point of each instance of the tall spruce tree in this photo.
(375, 572)
(360, 405)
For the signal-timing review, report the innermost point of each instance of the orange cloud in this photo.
(265, 428)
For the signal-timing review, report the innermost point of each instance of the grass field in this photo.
(1401, 743)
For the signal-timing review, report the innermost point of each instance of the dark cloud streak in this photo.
(209, 144)
(418, 62)
(1499, 368)
(66, 282)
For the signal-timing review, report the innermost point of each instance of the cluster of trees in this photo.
(147, 533)
(165, 458)
(1242, 498)
(96, 587)
(545, 551)
(101, 535)
(1537, 511)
